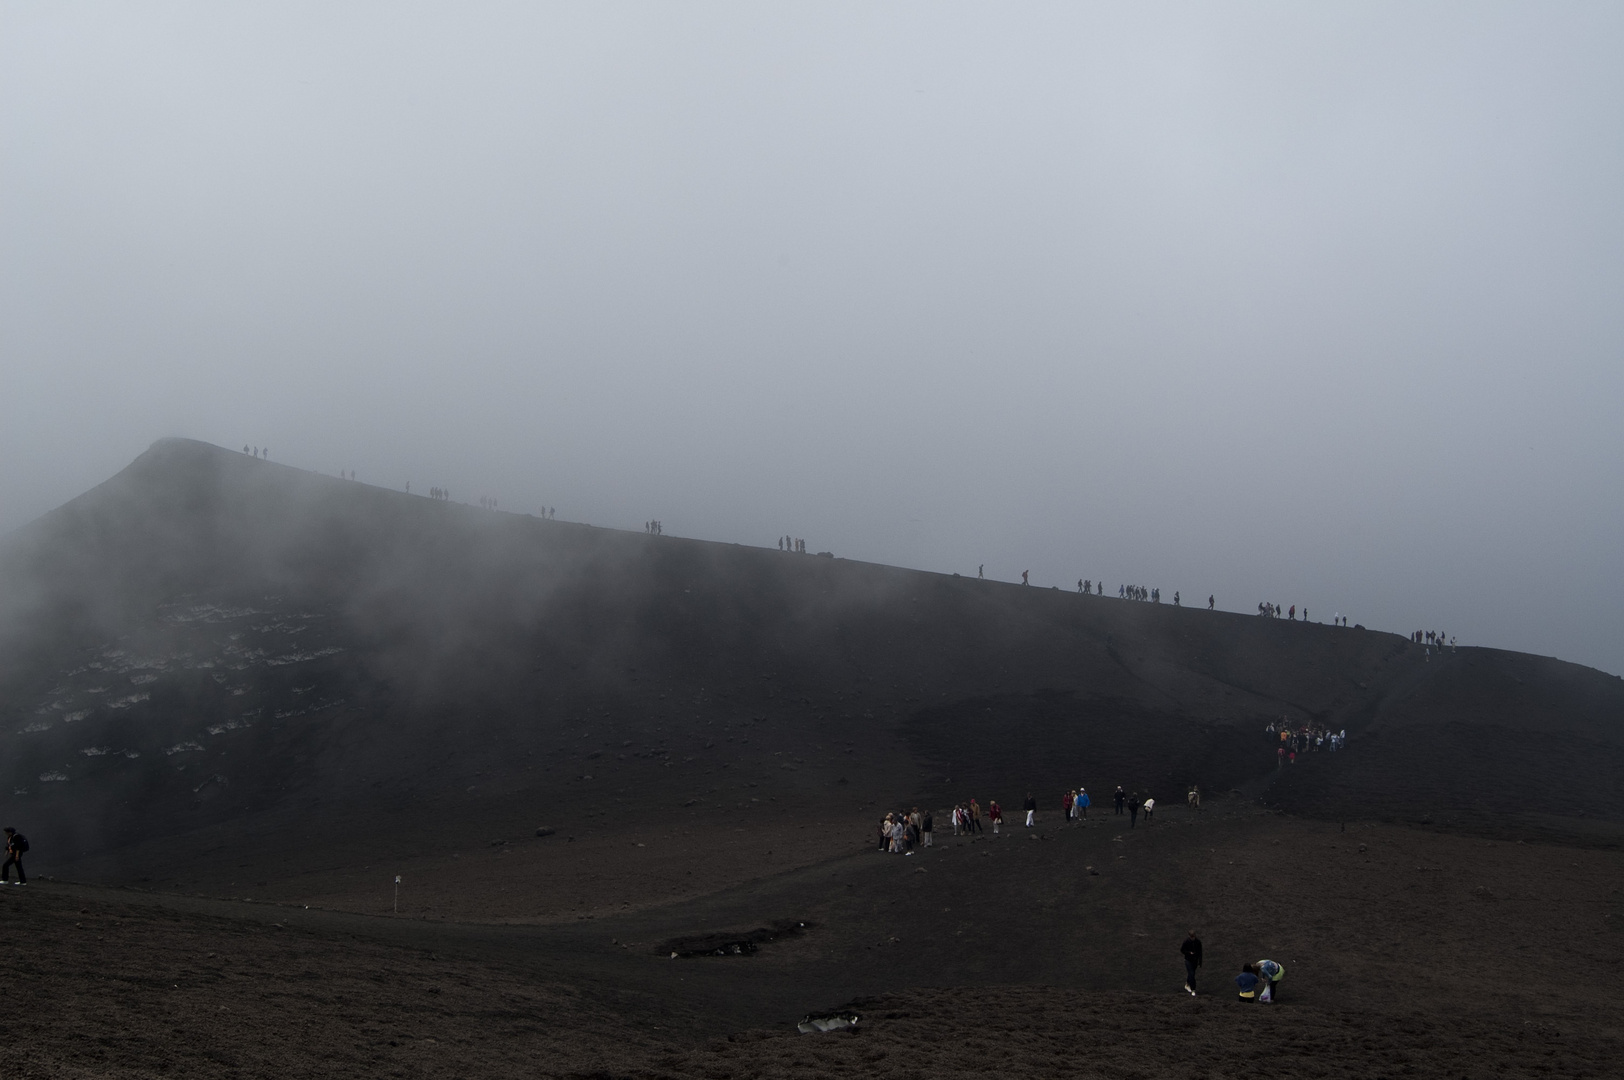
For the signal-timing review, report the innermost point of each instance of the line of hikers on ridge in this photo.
(904, 832)
(1432, 638)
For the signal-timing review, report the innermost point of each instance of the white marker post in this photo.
(397, 894)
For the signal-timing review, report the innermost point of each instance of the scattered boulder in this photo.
(546, 830)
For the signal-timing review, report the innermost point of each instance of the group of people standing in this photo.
(792, 543)
(654, 528)
(904, 832)
(1274, 611)
(1302, 739)
(901, 833)
(1432, 637)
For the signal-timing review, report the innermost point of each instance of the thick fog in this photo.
(1313, 304)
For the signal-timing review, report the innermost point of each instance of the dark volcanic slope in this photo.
(209, 641)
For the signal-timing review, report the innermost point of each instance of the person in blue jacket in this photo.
(1083, 803)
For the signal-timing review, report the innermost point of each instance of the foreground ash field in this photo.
(237, 700)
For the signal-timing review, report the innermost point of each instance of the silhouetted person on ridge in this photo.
(1023, 578)
(1211, 602)
(981, 570)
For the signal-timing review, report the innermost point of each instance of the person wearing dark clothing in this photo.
(1249, 983)
(1120, 797)
(16, 844)
(1133, 810)
(1031, 809)
(1192, 960)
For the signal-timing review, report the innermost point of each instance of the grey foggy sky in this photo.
(1314, 304)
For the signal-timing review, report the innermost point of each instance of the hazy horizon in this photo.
(1311, 306)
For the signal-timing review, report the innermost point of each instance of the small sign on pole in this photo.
(397, 894)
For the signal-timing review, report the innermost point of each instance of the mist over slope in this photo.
(210, 639)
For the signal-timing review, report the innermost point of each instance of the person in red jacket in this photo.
(995, 814)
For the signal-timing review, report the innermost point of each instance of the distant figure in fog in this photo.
(1176, 598)
(1023, 578)
(1211, 603)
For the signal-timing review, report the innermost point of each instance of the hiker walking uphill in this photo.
(16, 845)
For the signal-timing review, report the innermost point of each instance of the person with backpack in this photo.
(16, 844)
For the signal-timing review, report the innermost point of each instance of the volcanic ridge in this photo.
(502, 795)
